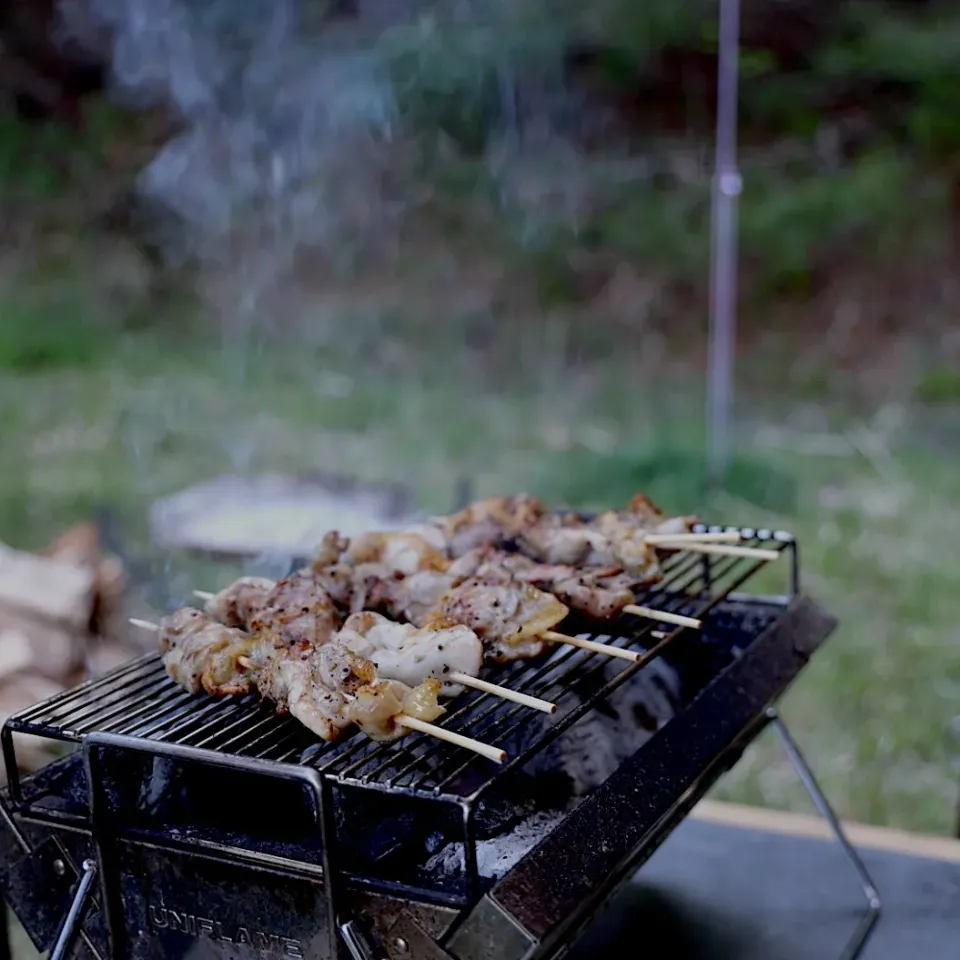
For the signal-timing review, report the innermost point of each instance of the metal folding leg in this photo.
(861, 934)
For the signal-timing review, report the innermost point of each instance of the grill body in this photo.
(219, 830)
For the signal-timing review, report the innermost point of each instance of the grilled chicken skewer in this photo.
(514, 620)
(610, 539)
(406, 652)
(599, 593)
(364, 574)
(318, 684)
(327, 688)
(405, 575)
(615, 538)
(419, 598)
(399, 651)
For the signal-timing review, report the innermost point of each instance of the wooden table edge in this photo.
(815, 828)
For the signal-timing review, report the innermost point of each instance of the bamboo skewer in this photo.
(468, 743)
(733, 536)
(592, 645)
(465, 680)
(506, 692)
(663, 616)
(535, 703)
(719, 549)
(411, 723)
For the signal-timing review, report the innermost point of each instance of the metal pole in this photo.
(723, 280)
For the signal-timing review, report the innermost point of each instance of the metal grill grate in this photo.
(139, 700)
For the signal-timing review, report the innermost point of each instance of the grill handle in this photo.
(73, 921)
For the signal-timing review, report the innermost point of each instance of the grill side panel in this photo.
(547, 896)
(167, 905)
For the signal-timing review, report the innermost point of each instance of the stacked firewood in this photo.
(61, 620)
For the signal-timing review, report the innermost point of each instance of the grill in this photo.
(178, 824)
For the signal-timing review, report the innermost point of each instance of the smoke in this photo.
(280, 137)
(288, 127)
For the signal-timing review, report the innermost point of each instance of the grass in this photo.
(131, 417)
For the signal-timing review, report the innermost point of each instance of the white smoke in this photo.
(279, 133)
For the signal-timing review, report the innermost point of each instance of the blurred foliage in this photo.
(40, 161)
(939, 384)
(847, 115)
(37, 336)
(803, 64)
(673, 475)
(848, 124)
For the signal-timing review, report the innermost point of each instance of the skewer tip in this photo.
(144, 624)
(475, 683)
(663, 616)
(605, 648)
(495, 754)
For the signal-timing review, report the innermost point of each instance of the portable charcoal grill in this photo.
(182, 825)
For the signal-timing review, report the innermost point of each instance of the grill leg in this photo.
(858, 939)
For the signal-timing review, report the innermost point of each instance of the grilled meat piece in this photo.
(612, 539)
(200, 654)
(379, 705)
(299, 610)
(402, 552)
(331, 687)
(294, 681)
(338, 580)
(401, 651)
(495, 520)
(328, 688)
(510, 618)
(330, 550)
(354, 580)
(597, 543)
(408, 599)
(598, 592)
(652, 517)
(236, 604)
